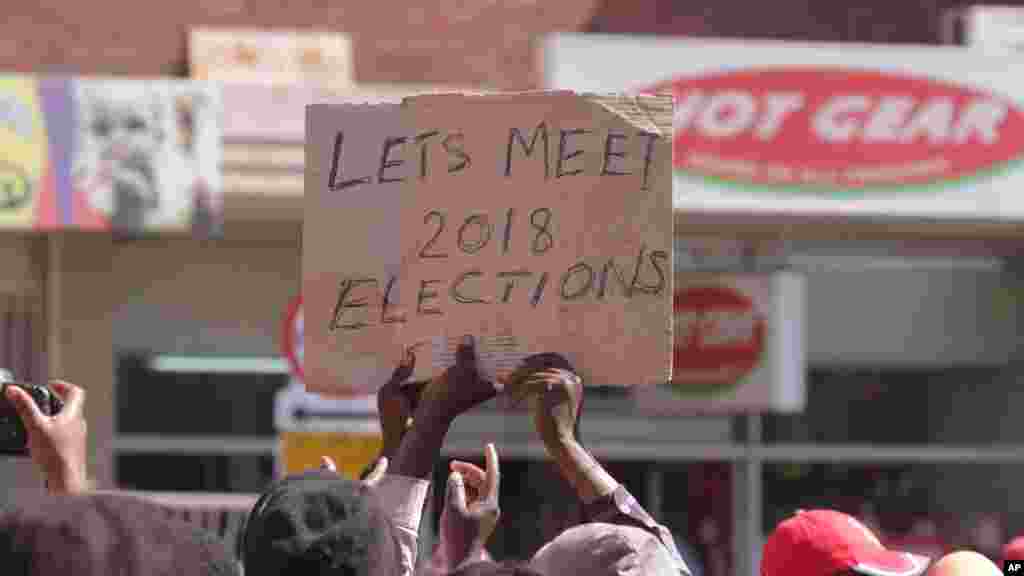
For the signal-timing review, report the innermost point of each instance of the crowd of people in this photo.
(320, 523)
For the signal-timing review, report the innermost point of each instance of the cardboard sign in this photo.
(535, 222)
(739, 345)
(780, 128)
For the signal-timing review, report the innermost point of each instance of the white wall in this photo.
(918, 317)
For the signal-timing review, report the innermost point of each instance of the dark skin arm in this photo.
(554, 397)
(458, 390)
(397, 401)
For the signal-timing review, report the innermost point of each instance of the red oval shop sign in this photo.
(292, 336)
(839, 128)
(719, 338)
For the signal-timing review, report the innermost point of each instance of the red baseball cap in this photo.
(1014, 550)
(826, 542)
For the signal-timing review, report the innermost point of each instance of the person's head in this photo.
(601, 549)
(508, 568)
(830, 543)
(104, 534)
(964, 563)
(315, 523)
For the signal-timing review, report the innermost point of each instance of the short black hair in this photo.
(507, 568)
(313, 523)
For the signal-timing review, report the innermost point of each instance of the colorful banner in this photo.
(110, 154)
(26, 171)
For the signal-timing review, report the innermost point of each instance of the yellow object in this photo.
(23, 151)
(352, 453)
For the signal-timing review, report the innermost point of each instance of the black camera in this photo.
(13, 437)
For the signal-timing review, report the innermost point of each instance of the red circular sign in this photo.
(719, 337)
(292, 337)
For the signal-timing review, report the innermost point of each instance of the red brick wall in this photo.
(444, 41)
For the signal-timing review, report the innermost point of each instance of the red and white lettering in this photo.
(778, 107)
(727, 114)
(934, 120)
(837, 121)
(982, 118)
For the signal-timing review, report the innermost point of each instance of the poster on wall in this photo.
(534, 222)
(110, 154)
(779, 128)
(146, 156)
(739, 345)
(27, 175)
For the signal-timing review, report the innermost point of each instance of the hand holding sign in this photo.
(555, 394)
(397, 401)
(461, 387)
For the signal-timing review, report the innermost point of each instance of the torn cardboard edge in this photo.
(649, 112)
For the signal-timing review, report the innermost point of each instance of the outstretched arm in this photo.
(554, 396)
(404, 489)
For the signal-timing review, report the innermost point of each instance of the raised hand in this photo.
(460, 388)
(471, 510)
(554, 396)
(397, 401)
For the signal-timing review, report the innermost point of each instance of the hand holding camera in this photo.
(55, 431)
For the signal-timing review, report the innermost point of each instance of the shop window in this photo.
(170, 398)
(957, 405)
(224, 473)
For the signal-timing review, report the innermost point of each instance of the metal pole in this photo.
(747, 503)
(655, 491)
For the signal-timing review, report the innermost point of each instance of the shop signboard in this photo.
(535, 222)
(777, 128)
(739, 345)
(275, 57)
(110, 154)
(294, 326)
(310, 426)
